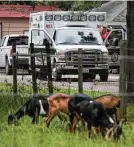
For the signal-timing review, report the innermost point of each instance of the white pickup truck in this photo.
(6, 51)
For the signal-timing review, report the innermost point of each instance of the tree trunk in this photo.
(130, 46)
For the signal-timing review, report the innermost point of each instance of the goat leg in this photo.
(49, 119)
(89, 129)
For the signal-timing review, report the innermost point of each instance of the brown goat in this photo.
(110, 101)
(57, 103)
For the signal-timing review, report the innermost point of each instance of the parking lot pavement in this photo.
(111, 86)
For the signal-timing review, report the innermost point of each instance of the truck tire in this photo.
(92, 76)
(85, 76)
(8, 68)
(42, 74)
(104, 76)
(58, 77)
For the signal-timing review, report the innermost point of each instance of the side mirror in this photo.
(107, 44)
(46, 41)
(115, 42)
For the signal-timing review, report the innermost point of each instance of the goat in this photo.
(57, 103)
(35, 106)
(93, 113)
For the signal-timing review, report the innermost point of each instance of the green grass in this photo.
(27, 135)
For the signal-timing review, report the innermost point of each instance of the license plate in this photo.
(101, 66)
(85, 70)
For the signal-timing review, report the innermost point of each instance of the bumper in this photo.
(66, 69)
(21, 61)
(114, 65)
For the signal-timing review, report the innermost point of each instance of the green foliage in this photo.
(75, 5)
(63, 5)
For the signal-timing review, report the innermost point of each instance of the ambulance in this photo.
(68, 31)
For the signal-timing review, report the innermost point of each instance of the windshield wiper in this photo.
(90, 43)
(72, 43)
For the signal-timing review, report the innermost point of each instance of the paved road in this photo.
(111, 86)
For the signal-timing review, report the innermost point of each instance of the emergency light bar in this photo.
(75, 17)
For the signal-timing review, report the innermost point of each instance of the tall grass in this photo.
(24, 134)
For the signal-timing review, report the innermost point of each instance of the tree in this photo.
(63, 5)
(74, 5)
(130, 47)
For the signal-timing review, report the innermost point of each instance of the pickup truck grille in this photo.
(89, 56)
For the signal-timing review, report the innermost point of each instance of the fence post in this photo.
(123, 78)
(33, 68)
(80, 72)
(49, 69)
(14, 69)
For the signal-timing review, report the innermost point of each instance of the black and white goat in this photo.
(35, 106)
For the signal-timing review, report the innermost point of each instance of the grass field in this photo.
(27, 135)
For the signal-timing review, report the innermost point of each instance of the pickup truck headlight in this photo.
(69, 56)
(61, 56)
(105, 57)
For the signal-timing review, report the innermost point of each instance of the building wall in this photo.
(13, 25)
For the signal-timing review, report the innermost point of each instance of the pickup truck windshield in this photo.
(19, 40)
(78, 37)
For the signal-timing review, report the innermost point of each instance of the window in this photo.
(49, 17)
(38, 37)
(101, 18)
(57, 17)
(92, 18)
(83, 18)
(3, 41)
(75, 18)
(78, 37)
(18, 40)
(66, 17)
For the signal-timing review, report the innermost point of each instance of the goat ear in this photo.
(10, 115)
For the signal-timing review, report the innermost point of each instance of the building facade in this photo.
(14, 19)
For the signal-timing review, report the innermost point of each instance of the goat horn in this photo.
(121, 122)
(109, 134)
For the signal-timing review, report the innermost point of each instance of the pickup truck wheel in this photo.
(42, 74)
(58, 77)
(85, 76)
(92, 76)
(8, 68)
(104, 76)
